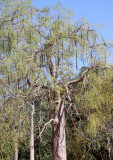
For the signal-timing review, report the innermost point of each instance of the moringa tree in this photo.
(41, 49)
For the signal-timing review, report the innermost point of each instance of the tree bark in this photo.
(59, 141)
(32, 135)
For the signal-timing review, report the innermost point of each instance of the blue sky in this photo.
(94, 11)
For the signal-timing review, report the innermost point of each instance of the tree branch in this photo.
(77, 81)
(82, 77)
(45, 127)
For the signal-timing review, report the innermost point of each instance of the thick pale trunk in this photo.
(16, 151)
(59, 141)
(32, 136)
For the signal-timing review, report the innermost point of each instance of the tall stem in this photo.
(16, 151)
(32, 135)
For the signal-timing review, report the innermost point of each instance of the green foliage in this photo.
(99, 98)
(39, 52)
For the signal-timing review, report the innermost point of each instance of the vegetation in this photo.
(49, 110)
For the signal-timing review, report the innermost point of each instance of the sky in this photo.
(94, 11)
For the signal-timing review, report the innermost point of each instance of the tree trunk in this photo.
(32, 135)
(59, 141)
(16, 151)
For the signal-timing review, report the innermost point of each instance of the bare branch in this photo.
(45, 127)
(82, 77)
(75, 127)
(77, 81)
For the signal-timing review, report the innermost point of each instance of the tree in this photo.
(89, 116)
(41, 53)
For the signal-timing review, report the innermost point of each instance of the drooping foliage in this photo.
(40, 51)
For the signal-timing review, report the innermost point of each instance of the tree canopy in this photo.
(41, 53)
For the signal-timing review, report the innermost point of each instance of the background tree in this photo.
(93, 101)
